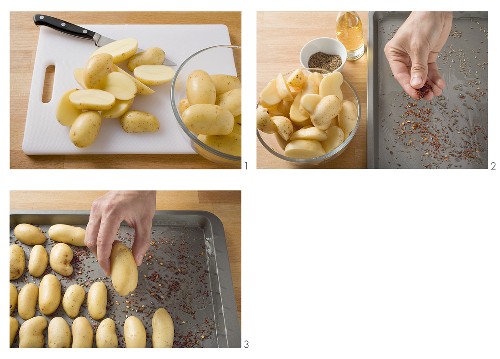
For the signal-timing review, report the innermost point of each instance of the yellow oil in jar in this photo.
(350, 34)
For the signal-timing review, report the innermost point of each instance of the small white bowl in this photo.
(323, 44)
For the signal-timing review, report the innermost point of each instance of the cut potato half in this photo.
(121, 50)
(120, 86)
(304, 149)
(269, 95)
(78, 74)
(309, 133)
(154, 75)
(141, 88)
(97, 100)
(119, 108)
(67, 112)
(283, 89)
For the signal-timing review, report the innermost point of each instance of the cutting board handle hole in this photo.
(48, 83)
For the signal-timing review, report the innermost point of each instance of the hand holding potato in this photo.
(137, 208)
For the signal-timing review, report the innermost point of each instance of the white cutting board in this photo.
(43, 135)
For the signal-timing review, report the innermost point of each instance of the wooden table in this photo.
(224, 204)
(22, 59)
(280, 37)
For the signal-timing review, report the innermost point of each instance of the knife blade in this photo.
(80, 32)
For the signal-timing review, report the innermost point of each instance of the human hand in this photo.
(137, 208)
(413, 51)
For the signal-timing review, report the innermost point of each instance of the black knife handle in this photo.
(63, 26)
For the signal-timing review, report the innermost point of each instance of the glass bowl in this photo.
(274, 146)
(214, 60)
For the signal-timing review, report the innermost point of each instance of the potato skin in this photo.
(97, 300)
(348, 117)
(225, 83)
(73, 299)
(134, 333)
(231, 101)
(96, 70)
(59, 335)
(26, 302)
(205, 119)
(67, 113)
(151, 56)
(67, 234)
(14, 326)
(85, 129)
(13, 298)
(38, 261)
(82, 332)
(139, 121)
(29, 234)
(31, 334)
(200, 89)
(49, 294)
(163, 329)
(105, 336)
(17, 261)
(124, 274)
(61, 256)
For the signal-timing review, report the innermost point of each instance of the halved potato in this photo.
(141, 88)
(78, 74)
(282, 87)
(330, 85)
(119, 108)
(67, 112)
(304, 149)
(154, 74)
(335, 137)
(120, 49)
(92, 99)
(326, 110)
(269, 96)
(120, 86)
(296, 79)
(309, 102)
(297, 113)
(309, 133)
(264, 122)
(283, 126)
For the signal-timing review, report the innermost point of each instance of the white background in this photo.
(336, 263)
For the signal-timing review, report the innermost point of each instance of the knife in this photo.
(80, 32)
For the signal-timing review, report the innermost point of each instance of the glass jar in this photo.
(350, 34)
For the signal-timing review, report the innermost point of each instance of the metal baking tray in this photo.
(449, 132)
(186, 271)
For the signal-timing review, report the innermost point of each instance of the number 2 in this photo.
(493, 166)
